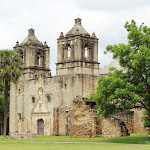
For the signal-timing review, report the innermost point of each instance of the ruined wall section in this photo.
(62, 119)
(98, 125)
(127, 118)
(84, 122)
(133, 120)
(138, 122)
(114, 127)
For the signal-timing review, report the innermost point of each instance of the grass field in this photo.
(66, 143)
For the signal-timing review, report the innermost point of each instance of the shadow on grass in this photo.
(134, 138)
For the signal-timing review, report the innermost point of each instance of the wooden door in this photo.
(40, 127)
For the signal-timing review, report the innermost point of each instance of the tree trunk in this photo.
(5, 109)
(149, 120)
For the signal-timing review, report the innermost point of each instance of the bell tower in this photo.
(34, 56)
(77, 52)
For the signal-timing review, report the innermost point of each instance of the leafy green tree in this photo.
(2, 109)
(120, 91)
(10, 71)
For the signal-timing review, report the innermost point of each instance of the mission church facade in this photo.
(36, 98)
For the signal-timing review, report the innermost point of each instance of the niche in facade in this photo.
(33, 99)
(48, 99)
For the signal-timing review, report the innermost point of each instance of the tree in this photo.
(120, 91)
(10, 71)
(1, 107)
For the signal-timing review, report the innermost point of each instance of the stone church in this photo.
(41, 104)
(36, 98)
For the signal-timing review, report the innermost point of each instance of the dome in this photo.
(31, 38)
(77, 29)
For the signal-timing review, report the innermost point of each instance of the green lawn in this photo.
(98, 143)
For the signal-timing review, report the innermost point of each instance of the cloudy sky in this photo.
(50, 17)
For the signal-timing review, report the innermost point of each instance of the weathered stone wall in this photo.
(114, 127)
(84, 122)
(62, 119)
(127, 118)
(138, 122)
(98, 125)
(133, 120)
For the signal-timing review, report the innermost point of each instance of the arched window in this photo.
(38, 59)
(48, 99)
(33, 99)
(68, 51)
(86, 52)
(22, 57)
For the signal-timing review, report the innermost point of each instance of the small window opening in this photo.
(22, 57)
(33, 99)
(48, 99)
(65, 86)
(69, 51)
(19, 91)
(19, 116)
(38, 59)
(86, 52)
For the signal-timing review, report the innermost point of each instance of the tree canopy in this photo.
(119, 91)
(10, 70)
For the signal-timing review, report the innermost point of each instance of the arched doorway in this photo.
(40, 127)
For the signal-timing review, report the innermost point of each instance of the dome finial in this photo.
(77, 21)
(31, 32)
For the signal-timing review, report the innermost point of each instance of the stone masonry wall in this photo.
(62, 119)
(98, 125)
(113, 127)
(127, 118)
(138, 122)
(84, 122)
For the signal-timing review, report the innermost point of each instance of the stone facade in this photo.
(38, 101)
(44, 105)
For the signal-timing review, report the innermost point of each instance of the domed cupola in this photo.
(31, 38)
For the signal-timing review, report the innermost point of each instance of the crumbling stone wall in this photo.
(84, 122)
(138, 122)
(114, 127)
(98, 125)
(133, 120)
(62, 119)
(127, 118)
